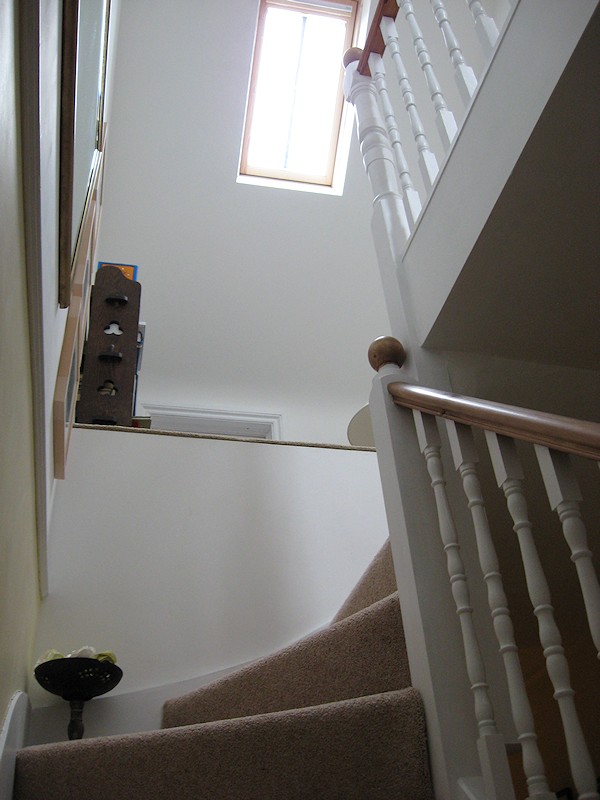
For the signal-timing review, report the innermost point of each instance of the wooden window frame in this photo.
(331, 8)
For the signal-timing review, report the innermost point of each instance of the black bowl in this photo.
(78, 678)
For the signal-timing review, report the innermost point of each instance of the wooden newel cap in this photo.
(353, 54)
(386, 350)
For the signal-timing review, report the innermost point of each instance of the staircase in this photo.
(331, 716)
(334, 715)
(460, 236)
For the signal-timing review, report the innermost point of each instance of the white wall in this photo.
(186, 556)
(53, 317)
(256, 299)
(18, 564)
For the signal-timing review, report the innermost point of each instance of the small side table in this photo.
(77, 680)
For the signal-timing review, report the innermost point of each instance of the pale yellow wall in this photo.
(18, 562)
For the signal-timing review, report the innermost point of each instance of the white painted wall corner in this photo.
(12, 738)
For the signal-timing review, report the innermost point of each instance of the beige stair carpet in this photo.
(378, 581)
(368, 748)
(360, 655)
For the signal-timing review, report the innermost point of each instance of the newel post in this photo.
(377, 152)
(431, 626)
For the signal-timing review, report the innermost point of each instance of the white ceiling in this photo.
(255, 299)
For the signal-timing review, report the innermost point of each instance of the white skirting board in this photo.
(12, 738)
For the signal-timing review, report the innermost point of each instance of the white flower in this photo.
(49, 655)
(83, 652)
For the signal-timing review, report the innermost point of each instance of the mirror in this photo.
(84, 44)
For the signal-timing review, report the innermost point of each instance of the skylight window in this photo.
(295, 104)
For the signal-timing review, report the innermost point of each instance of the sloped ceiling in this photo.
(255, 299)
(530, 288)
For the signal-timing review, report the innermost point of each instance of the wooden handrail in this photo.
(567, 434)
(375, 43)
(570, 435)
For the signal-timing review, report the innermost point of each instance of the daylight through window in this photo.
(295, 103)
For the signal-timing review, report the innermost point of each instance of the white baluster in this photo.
(465, 458)
(427, 160)
(463, 73)
(509, 475)
(492, 755)
(429, 443)
(377, 153)
(444, 117)
(486, 28)
(410, 196)
(565, 497)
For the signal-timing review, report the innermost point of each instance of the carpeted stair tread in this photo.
(368, 748)
(378, 581)
(361, 655)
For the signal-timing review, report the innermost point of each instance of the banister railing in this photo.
(421, 495)
(418, 42)
(374, 42)
(566, 434)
